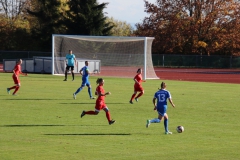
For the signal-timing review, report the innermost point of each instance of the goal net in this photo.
(107, 55)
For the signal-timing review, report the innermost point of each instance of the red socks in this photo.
(90, 112)
(108, 116)
(12, 87)
(16, 89)
(140, 94)
(133, 96)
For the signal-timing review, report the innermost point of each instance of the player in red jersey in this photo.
(137, 86)
(15, 76)
(100, 104)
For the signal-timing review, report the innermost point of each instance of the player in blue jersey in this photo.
(162, 95)
(70, 59)
(85, 82)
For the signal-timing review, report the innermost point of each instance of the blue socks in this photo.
(156, 120)
(166, 125)
(78, 90)
(90, 92)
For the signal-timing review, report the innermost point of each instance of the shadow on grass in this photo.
(92, 103)
(43, 125)
(32, 125)
(37, 99)
(90, 134)
(77, 103)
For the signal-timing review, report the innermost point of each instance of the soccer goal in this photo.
(117, 56)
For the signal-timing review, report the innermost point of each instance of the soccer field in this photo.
(43, 121)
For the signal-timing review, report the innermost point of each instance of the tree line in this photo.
(29, 24)
(203, 27)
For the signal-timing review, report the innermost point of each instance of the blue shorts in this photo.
(162, 110)
(85, 82)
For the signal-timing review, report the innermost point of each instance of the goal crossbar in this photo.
(113, 56)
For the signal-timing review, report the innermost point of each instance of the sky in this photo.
(131, 11)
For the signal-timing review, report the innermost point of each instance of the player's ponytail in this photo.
(19, 60)
(163, 85)
(139, 69)
(99, 80)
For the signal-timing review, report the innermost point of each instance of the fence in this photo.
(196, 61)
(191, 61)
(22, 55)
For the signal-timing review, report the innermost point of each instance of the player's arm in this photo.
(75, 60)
(66, 61)
(103, 94)
(88, 72)
(154, 103)
(25, 74)
(20, 72)
(135, 80)
(170, 100)
(81, 71)
(14, 72)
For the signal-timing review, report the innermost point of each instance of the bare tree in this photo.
(12, 8)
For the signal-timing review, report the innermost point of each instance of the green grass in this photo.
(43, 121)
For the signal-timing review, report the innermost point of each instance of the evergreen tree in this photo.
(45, 17)
(85, 17)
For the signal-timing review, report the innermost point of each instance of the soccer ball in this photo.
(180, 129)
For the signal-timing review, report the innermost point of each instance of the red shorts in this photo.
(16, 79)
(100, 105)
(138, 88)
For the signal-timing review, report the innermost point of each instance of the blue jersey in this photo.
(85, 72)
(162, 95)
(70, 59)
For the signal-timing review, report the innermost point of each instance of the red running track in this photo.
(182, 74)
(200, 75)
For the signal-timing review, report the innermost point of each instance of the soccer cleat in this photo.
(168, 132)
(74, 96)
(92, 97)
(14, 94)
(112, 121)
(8, 90)
(148, 123)
(65, 80)
(83, 114)
(131, 102)
(136, 99)
(72, 79)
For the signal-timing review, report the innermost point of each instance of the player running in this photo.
(70, 59)
(137, 86)
(100, 103)
(161, 96)
(85, 81)
(16, 71)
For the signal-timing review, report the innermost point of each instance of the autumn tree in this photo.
(120, 28)
(13, 26)
(86, 17)
(193, 26)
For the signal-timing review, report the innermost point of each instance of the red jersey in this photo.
(138, 77)
(100, 89)
(17, 69)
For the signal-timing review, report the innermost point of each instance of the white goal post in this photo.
(108, 55)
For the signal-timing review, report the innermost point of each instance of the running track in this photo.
(181, 74)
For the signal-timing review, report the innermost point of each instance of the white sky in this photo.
(131, 11)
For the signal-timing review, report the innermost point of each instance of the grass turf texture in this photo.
(43, 121)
